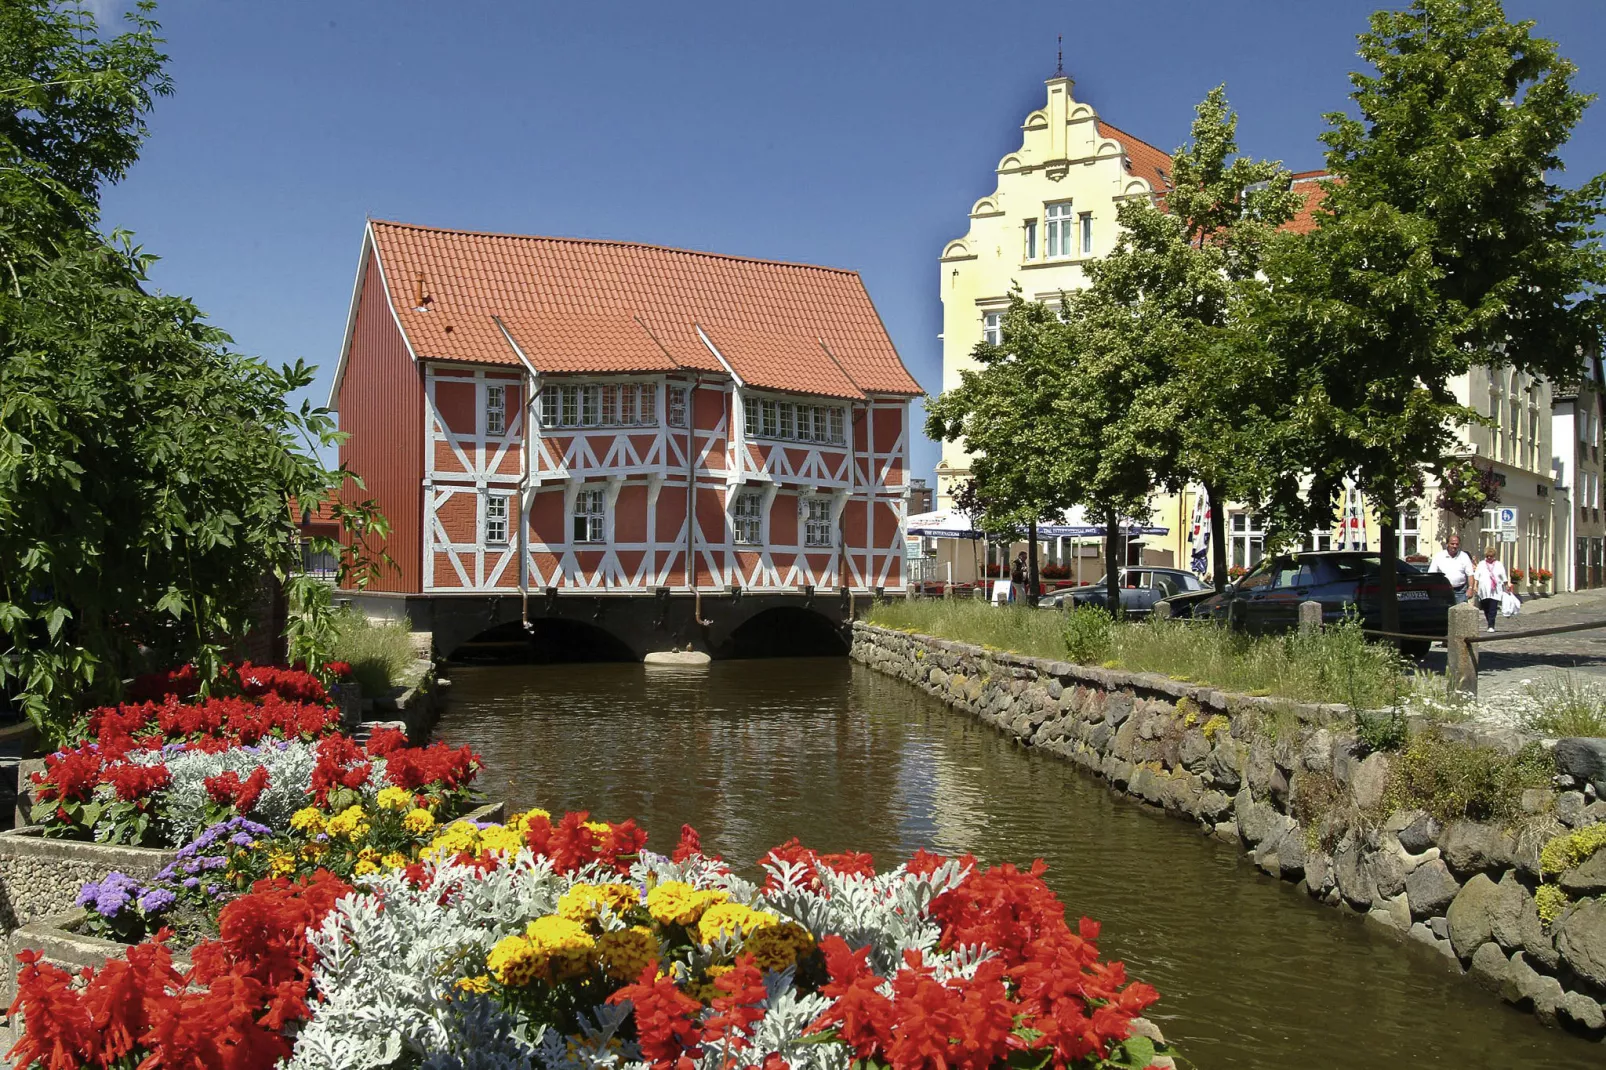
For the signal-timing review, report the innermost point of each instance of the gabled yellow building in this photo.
(1053, 210)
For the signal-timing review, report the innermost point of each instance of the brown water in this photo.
(751, 753)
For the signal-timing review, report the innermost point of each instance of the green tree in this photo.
(1444, 244)
(1209, 410)
(1003, 412)
(148, 472)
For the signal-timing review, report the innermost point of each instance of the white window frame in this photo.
(818, 530)
(551, 406)
(786, 416)
(992, 328)
(1057, 230)
(677, 406)
(496, 409)
(747, 518)
(769, 419)
(1317, 540)
(588, 525)
(497, 510)
(1085, 226)
(1408, 531)
(837, 425)
(1031, 239)
(1246, 542)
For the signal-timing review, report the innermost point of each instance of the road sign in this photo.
(1506, 523)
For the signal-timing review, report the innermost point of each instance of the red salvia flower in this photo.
(666, 1028)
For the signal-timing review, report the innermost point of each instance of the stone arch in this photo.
(784, 631)
(1009, 162)
(985, 206)
(546, 639)
(1037, 120)
(956, 248)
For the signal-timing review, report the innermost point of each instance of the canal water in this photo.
(1252, 974)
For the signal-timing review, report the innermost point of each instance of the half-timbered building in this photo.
(561, 416)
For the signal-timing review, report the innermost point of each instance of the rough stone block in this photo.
(1581, 1012)
(1468, 918)
(1586, 879)
(1582, 759)
(1431, 889)
(1368, 779)
(1581, 939)
(1490, 966)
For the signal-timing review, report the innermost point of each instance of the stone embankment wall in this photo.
(41, 877)
(1291, 784)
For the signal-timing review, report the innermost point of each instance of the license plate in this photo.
(1413, 596)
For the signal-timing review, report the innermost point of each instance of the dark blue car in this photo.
(1266, 600)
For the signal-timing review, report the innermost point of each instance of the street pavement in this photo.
(1504, 666)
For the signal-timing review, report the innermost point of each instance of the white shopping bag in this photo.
(1510, 605)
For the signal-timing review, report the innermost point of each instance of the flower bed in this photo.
(565, 944)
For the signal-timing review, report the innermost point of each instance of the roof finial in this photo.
(1059, 58)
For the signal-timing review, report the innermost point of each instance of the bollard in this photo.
(1461, 656)
(1310, 617)
(1162, 611)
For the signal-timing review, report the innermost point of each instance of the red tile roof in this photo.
(1308, 184)
(1142, 158)
(575, 306)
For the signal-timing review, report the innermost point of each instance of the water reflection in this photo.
(754, 752)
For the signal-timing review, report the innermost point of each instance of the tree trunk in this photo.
(1218, 538)
(1031, 566)
(1112, 562)
(1389, 578)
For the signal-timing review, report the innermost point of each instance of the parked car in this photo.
(1266, 601)
(1140, 589)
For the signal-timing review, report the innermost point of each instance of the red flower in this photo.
(384, 740)
(666, 1028)
(793, 853)
(739, 1007)
(134, 782)
(60, 1033)
(227, 789)
(690, 844)
(69, 776)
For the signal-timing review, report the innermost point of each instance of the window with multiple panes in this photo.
(1031, 239)
(677, 406)
(1408, 531)
(992, 328)
(1248, 540)
(590, 510)
(748, 517)
(599, 405)
(1057, 224)
(765, 418)
(817, 522)
(496, 519)
(495, 410)
(1318, 540)
(1086, 221)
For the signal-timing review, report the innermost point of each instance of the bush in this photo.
(1452, 780)
(1039, 632)
(1087, 635)
(380, 653)
(1564, 706)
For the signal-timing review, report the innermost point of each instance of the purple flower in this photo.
(241, 839)
(192, 882)
(156, 900)
(108, 897)
(211, 889)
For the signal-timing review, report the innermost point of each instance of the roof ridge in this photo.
(617, 242)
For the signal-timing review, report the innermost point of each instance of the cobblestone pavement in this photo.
(1504, 665)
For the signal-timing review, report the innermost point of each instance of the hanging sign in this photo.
(1506, 523)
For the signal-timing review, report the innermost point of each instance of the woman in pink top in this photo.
(1490, 581)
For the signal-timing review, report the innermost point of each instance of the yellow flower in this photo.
(308, 819)
(678, 903)
(369, 854)
(351, 823)
(363, 868)
(732, 919)
(524, 820)
(775, 947)
(418, 821)
(599, 827)
(706, 990)
(500, 838)
(394, 860)
(281, 863)
(314, 850)
(394, 798)
(454, 838)
(477, 984)
(583, 902)
(562, 947)
(626, 952)
(512, 961)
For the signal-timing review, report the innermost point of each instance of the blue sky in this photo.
(850, 134)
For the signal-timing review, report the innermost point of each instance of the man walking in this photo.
(1455, 565)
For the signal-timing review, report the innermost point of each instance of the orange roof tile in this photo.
(1142, 158)
(578, 306)
(1308, 184)
(767, 361)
